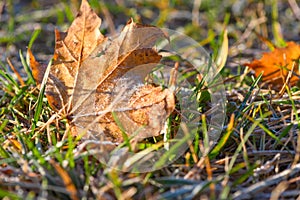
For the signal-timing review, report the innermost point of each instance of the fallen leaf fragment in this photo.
(38, 70)
(278, 65)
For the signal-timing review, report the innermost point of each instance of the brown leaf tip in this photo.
(38, 70)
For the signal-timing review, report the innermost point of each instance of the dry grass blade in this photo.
(223, 52)
(16, 72)
(257, 187)
(70, 187)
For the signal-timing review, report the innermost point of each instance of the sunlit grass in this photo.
(259, 140)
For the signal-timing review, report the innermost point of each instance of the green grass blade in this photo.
(3, 153)
(27, 68)
(239, 112)
(124, 135)
(8, 195)
(172, 152)
(7, 77)
(39, 106)
(34, 36)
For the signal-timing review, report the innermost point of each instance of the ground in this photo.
(256, 157)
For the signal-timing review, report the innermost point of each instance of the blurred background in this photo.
(253, 25)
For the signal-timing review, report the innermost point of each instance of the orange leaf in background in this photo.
(278, 64)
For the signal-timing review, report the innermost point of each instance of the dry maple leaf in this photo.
(92, 75)
(279, 66)
(71, 49)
